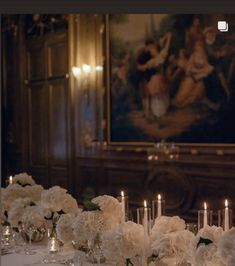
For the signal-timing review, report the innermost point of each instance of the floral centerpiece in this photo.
(169, 240)
(56, 202)
(204, 247)
(124, 242)
(226, 247)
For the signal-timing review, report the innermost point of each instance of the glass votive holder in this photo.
(144, 218)
(53, 247)
(7, 239)
(123, 199)
(158, 208)
(205, 217)
(192, 227)
(225, 218)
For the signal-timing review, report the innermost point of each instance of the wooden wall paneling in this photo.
(36, 58)
(38, 130)
(38, 124)
(58, 115)
(57, 55)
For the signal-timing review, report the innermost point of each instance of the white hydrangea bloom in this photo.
(23, 179)
(17, 209)
(34, 215)
(86, 226)
(125, 240)
(64, 228)
(226, 247)
(111, 208)
(165, 224)
(207, 254)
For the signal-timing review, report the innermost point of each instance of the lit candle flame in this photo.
(145, 203)
(10, 180)
(226, 203)
(159, 197)
(205, 206)
(122, 193)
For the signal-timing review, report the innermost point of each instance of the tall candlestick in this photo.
(226, 216)
(10, 180)
(159, 205)
(123, 206)
(205, 222)
(145, 224)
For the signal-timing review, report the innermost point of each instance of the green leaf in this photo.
(91, 206)
(128, 262)
(204, 241)
(151, 259)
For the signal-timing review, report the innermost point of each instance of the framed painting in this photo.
(171, 77)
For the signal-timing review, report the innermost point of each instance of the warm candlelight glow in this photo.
(205, 206)
(145, 203)
(86, 68)
(122, 193)
(53, 247)
(76, 71)
(98, 68)
(159, 197)
(10, 180)
(226, 203)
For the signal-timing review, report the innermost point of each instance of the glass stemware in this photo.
(29, 229)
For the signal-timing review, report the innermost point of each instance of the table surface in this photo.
(21, 259)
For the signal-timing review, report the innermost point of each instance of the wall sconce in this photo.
(82, 75)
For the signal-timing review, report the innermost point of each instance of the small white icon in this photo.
(223, 26)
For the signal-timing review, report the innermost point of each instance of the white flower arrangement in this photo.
(204, 248)
(173, 244)
(33, 214)
(169, 239)
(64, 228)
(111, 210)
(23, 179)
(86, 226)
(56, 199)
(17, 209)
(125, 240)
(226, 247)
(165, 224)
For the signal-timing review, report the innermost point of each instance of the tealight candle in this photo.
(53, 245)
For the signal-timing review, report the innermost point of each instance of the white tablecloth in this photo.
(21, 259)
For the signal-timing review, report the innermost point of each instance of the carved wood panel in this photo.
(36, 61)
(57, 56)
(58, 126)
(38, 124)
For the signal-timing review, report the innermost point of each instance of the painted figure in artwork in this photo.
(157, 86)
